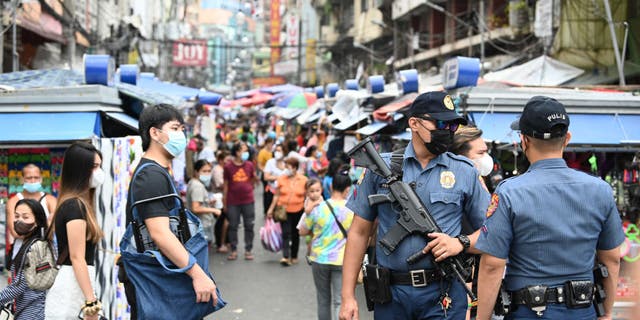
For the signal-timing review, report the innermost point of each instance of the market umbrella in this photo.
(300, 100)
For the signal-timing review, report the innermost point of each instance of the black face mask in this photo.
(22, 228)
(440, 141)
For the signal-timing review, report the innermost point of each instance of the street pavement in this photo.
(262, 288)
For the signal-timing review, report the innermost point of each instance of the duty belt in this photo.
(552, 295)
(415, 278)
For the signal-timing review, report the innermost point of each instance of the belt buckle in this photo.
(418, 278)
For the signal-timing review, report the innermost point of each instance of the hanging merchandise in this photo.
(12, 160)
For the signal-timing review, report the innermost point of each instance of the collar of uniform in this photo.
(548, 164)
(410, 153)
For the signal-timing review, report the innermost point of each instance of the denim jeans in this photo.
(247, 211)
(328, 281)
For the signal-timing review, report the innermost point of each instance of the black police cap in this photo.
(437, 105)
(543, 118)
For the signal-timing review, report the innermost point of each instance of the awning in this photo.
(348, 123)
(130, 122)
(314, 117)
(48, 127)
(372, 128)
(586, 129)
(541, 71)
(630, 128)
(394, 106)
(290, 113)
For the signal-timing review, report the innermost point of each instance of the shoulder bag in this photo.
(344, 232)
(164, 291)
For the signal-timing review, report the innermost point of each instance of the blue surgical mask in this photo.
(176, 144)
(245, 156)
(319, 154)
(32, 187)
(206, 179)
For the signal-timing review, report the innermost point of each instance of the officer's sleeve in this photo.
(476, 204)
(359, 200)
(612, 234)
(496, 233)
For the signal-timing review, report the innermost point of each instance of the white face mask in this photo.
(484, 164)
(97, 178)
(278, 155)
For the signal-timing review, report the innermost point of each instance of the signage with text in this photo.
(188, 53)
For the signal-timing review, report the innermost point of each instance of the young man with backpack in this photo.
(162, 132)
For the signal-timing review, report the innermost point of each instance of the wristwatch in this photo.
(464, 240)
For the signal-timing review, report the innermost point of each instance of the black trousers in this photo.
(290, 234)
(217, 229)
(267, 198)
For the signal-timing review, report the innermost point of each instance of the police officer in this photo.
(550, 223)
(449, 187)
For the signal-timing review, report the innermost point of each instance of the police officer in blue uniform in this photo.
(450, 188)
(550, 223)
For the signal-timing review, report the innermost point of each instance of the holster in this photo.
(579, 293)
(503, 303)
(377, 285)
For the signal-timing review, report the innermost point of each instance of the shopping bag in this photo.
(164, 291)
(271, 236)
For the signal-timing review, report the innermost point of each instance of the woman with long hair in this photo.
(77, 233)
(30, 223)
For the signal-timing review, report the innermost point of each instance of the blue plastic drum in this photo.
(351, 84)
(98, 69)
(408, 81)
(332, 89)
(129, 73)
(460, 72)
(319, 92)
(376, 84)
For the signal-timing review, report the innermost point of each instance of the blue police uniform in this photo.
(548, 223)
(449, 187)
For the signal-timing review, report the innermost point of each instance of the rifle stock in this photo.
(414, 217)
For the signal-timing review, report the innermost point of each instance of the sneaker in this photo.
(248, 256)
(233, 255)
(222, 249)
(294, 261)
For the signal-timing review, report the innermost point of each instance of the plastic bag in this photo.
(271, 235)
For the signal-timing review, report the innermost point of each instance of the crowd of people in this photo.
(312, 189)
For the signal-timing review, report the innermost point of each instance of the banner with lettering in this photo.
(190, 53)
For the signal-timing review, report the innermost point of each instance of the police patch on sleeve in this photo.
(447, 179)
(493, 205)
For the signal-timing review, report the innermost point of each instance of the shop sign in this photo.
(189, 53)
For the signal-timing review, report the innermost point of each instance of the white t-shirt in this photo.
(272, 168)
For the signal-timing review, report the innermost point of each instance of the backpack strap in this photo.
(396, 163)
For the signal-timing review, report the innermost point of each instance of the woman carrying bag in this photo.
(328, 223)
(30, 222)
(290, 194)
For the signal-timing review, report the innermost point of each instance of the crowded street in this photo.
(320, 159)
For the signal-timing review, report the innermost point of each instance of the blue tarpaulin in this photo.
(48, 127)
(586, 129)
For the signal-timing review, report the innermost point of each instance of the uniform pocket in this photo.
(446, 198)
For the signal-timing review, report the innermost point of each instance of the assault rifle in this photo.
(414, 217)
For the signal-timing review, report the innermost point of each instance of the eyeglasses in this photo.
(442, 125)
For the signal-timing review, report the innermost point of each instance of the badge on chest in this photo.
(447, 179)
